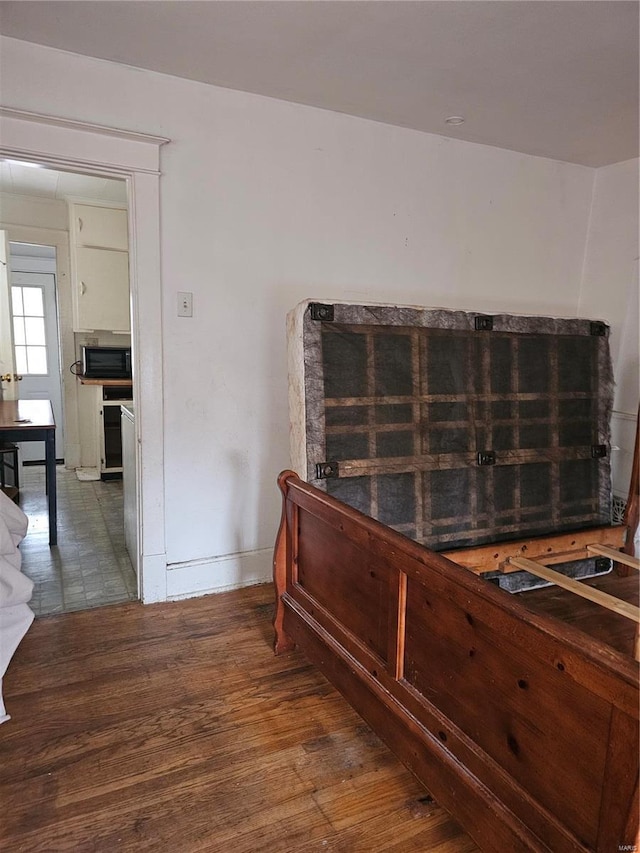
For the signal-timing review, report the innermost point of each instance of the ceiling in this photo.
(47, 183)
(554, 79)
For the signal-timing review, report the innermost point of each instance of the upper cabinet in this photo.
(103, 293)
(100, 227)
(100, 268)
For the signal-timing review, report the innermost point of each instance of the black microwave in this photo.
(106, 362)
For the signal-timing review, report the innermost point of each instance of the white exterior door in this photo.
(36, 348)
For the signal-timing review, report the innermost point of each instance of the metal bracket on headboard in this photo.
(486, 457)
(484, 323)
(326, 469)
(319, 311)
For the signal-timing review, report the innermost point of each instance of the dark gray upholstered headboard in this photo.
(452, 427)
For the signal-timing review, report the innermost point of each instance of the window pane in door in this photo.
(18, 331)
(34, 328)
(16, 300)
(21, 359)
(32, 301)
(37, 359)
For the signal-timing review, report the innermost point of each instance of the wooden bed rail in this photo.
(548, 550)
(632, 510)
(616, 556)
(617, 605)
(523, 727)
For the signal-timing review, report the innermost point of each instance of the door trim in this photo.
(55, 141)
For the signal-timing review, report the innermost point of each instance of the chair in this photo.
(9, 463)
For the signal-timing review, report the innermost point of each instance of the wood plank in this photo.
(548, 550)
(596, 595)
(618, 556)
(621, 786)
(122, 383)
(174, 727)
(632, 510)
(328, 573)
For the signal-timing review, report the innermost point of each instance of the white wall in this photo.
(610, 290)
(265, 203)
(33, 211)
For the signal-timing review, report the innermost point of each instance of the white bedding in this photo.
(15, 588)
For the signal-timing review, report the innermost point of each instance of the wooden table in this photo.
(32, 420)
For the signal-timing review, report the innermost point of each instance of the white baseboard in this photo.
(154, 574)
(87, 474)
(218, 574)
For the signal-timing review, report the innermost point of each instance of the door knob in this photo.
(17, 377)
(6, 377)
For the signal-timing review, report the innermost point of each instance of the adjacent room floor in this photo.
(90, 566)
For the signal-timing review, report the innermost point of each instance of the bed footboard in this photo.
(525, 729)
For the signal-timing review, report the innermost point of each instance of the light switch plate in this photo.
(185, 304)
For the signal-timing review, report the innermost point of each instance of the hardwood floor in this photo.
(173, 727)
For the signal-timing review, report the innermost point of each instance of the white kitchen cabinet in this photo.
(102, 290)
(101, 442)
(100, 268)
(99, 227)
(89, 402)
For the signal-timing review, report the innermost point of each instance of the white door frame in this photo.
(134, 157)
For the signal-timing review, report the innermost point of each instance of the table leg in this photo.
(50, 463)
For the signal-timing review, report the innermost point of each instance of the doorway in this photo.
(87, 148)
(90, 567)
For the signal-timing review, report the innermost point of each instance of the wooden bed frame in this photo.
(523, 727)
